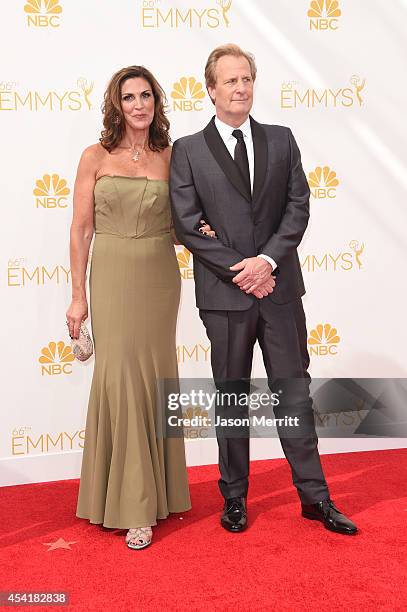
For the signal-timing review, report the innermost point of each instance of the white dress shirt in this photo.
(230, 141)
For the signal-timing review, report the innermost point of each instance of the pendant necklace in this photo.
(136, 151)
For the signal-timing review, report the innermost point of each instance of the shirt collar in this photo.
(226, 130)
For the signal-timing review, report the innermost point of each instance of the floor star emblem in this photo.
(60, 543)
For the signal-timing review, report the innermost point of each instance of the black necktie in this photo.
(241, 159)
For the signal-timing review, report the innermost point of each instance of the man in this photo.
(246, 180)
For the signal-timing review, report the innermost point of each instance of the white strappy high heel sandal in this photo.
(138, 538)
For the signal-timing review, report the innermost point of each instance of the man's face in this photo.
(233, 92)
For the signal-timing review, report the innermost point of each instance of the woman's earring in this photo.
(117, 119)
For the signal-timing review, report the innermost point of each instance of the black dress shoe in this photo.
(327, 513)
(234, 517)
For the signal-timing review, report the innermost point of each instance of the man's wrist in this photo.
(270, 261)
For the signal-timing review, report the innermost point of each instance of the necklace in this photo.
(136, 151)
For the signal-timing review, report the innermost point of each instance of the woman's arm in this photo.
(81, 236)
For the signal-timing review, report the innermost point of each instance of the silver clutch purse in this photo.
(82, 348)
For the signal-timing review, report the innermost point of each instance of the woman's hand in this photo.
(206, 229)
(76, 313)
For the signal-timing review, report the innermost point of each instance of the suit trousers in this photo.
(281, 332)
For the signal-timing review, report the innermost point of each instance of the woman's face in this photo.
(137, 102)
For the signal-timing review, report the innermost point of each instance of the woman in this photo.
(130, 476)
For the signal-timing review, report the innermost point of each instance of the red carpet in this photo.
(282, 562)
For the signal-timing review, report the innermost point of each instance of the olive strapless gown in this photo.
(131, 476)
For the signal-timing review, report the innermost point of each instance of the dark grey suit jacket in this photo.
(205, 183)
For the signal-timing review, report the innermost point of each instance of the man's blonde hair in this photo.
(229, 49)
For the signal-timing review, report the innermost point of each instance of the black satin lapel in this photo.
(260, 156)
(218, 149)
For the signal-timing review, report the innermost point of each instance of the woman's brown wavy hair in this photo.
(113, 118)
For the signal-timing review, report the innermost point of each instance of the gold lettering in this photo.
(67, 273)
(50, 277)
(190, 355)
(23, 103)
(335, 259)
(213, 15)
(145, 14)
(14, 445)
(345, 259)
(54, 444)
(60, 99)
(179, 18)
(205, 350)
(75, 97)
(319, 264)
(164, 20)
(82, 437)
(335, 95)
(38, 100)
(301, 100)
(4, 97)
(200, 15)
(35, 273)
(71, 438)
(34, 445)
(11, 275)
(306, 263)
(286, 96)
(347, 97)
(319, 100)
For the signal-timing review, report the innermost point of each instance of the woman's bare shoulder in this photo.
(167, 152)
(94, 152)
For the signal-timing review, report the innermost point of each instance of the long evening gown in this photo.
(131, 476)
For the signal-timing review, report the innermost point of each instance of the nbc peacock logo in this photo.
(51, 191)
(184, 259)
(43, 13)
(323, 182)
(323, 15)
(196, 422)
(56, 358)
(187, 95)
(323, 340)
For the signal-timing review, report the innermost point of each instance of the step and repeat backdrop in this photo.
(330, 70)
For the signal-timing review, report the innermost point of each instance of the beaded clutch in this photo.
(82, 348)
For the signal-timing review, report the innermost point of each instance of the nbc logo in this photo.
(43, 13)
(323, 340)
(323, 182)
(185, 263)
(196, 421)
(51, 192)
(56, 358)
(323, 15)
(187, 94)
